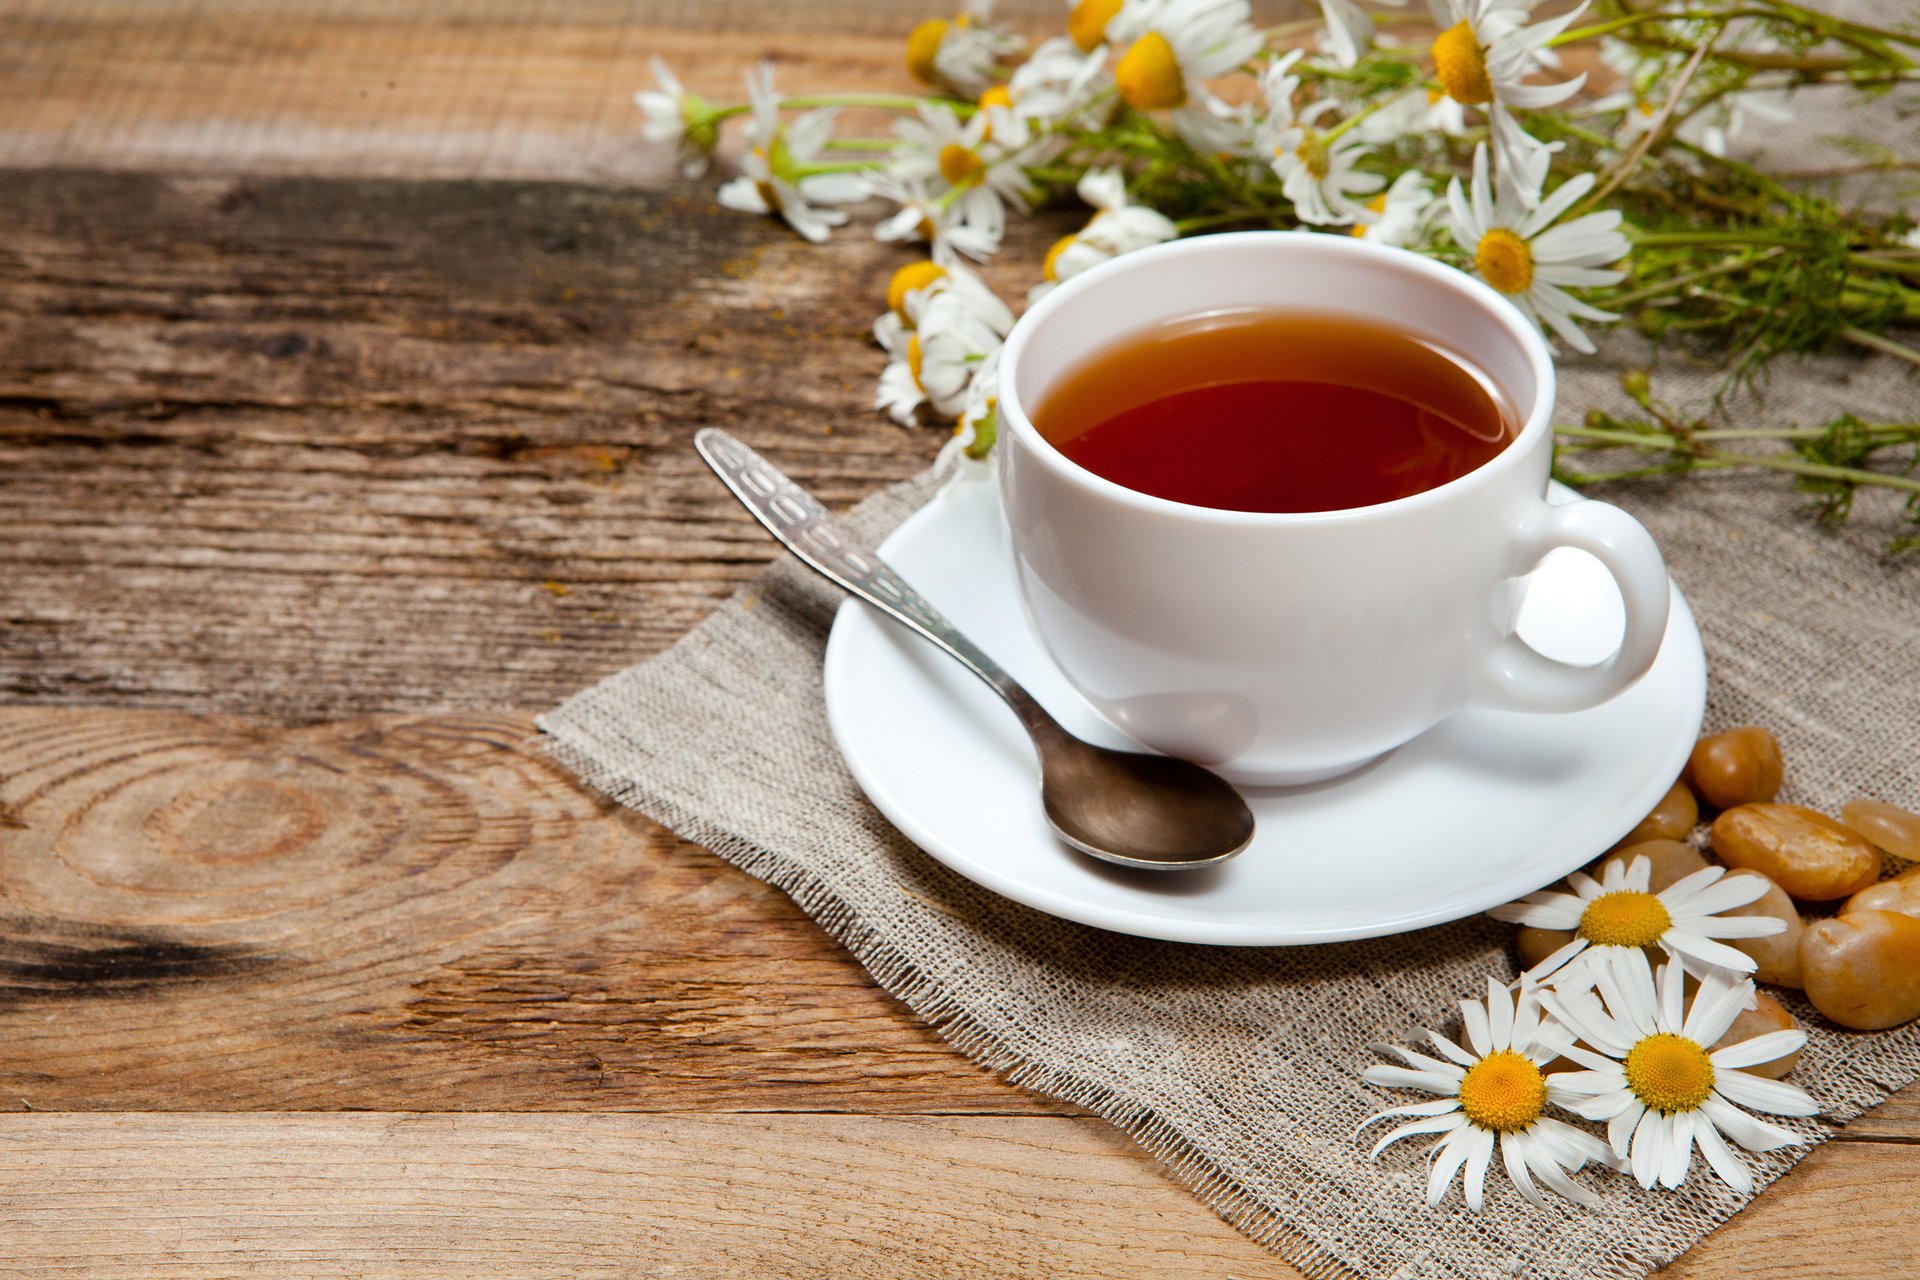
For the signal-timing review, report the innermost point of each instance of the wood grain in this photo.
(414, 913)
(311, 449)
(775, 1197)
(458, 88)
(575, 1196)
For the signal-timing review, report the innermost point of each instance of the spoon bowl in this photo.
(1130, 808)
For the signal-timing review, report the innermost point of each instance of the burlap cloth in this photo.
(1239, 1067)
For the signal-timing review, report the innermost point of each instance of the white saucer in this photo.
(1480, 810)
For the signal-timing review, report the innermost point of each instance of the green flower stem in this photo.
(1697, 456)
(1878, 342)
(1656, 239)
(1328, 138)
(885, 101)
(1824, 21)
(1675, 283)
(842, 166)
(1640, 19)
(862, 144)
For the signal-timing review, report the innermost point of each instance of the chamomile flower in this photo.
(923, 216)
(1088, 20)
(1174, 45)
(1518, 250)
(1319, 175)
(685, 119)
(959, 53)
(933, 360)
(980, 177)
(773, 177)
(1061, 82)
(975, 430)
(915, 284)
(1655, 1082)
(1398, 216)
(1482, 57)
(1117, 228)
(1492, 1091)
(1617, 914)
(1486, 49)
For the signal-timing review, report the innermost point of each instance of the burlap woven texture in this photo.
(1239, 1067)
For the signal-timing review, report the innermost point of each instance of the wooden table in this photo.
(347, 367)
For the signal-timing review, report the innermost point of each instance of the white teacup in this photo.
(1286, 648)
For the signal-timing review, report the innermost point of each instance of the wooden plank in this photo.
(460, 88)
(406, 914)
(310, 449)
(773, 1197)
(574, 1196)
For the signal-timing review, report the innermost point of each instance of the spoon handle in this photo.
(828, 547)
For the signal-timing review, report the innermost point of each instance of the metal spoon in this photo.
(1136, 810)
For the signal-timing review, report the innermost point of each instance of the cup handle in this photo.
(1519, 677)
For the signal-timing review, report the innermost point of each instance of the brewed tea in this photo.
(1277, 411)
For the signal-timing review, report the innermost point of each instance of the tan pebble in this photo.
(1535, 945)
(1740, 766)
(1768, 1015)
(1672, 819)
(1902, 894)
(1862, 969)
(1668, 861)
(1778, 956)
(1888, 826)
(1806, 853)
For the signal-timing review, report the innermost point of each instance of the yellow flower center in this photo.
(1627, 918)
(996, 96)
(915, 275)
(960, 165)
(922, 45)
(1313, 154)
(1149, 75)
(1669, 1072)
(1050, 269)
(1460, 65)
(913, 359)
(1087, 24)
(1504, 261)
(1379, 205)
(1503, 1092)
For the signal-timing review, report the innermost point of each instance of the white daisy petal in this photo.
(1402, 1078)
(1479, 1031)
(1421, 1062)
(1771, 1047)
(1513, 1156)
(1673, 997)
(1558, 1182)
(1541, 915)
(1452, 1154)
(1649, 1150)
(1749, 1131)
(1739, 926)
(1451, 1050)
(1715, 1005)
(1438, 1107)
(1721, 1160)
(1499, 1007)
(1776, 1097)
(1474, 1181)
(1717, 892)
(1430, 1124)
(1679, 1153)
(1620, 1128)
